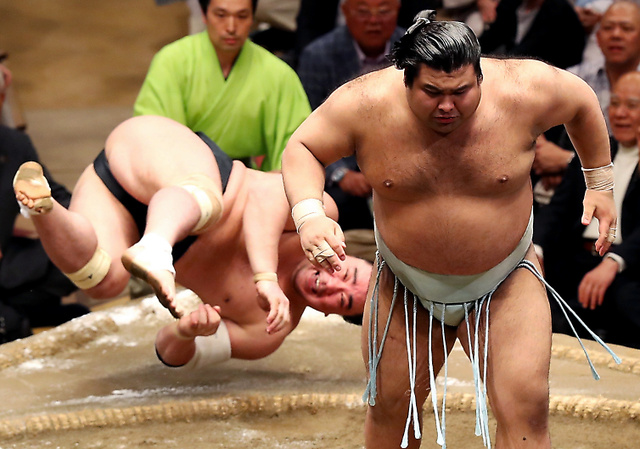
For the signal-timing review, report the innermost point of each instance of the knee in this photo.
(524, 402)
(99, 277)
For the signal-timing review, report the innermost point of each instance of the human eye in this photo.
(633, 104)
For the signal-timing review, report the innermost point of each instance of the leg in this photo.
(165, 165)
(385, 421)
(73, 237)
(518, 360)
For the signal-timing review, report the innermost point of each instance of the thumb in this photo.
(587, 215)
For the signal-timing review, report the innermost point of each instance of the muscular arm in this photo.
(326, 136)
(264, 220)
(566, 99)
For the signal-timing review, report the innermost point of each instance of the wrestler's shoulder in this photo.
(371, 88)
(515, 70)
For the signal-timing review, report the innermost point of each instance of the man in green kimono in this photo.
(220, 83)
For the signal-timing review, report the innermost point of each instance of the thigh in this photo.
(148, 153)
(393, 381)
(113, 225)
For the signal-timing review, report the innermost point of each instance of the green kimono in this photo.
(251, 113)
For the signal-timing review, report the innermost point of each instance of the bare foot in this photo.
(136, 261)
(32, 189)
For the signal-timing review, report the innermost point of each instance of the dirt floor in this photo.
(95, 382)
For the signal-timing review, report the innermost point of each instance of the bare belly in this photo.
(459, 236)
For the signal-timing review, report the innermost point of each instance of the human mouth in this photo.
(445, 120)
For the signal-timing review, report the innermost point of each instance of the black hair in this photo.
(353, 319)
(204, 4)
(440, 45)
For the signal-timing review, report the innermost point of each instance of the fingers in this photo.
(278, 318)
(203, 321)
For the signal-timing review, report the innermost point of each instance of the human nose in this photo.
(331, 283)
(231, 25)
(446, 104)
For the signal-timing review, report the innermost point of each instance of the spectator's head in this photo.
(619, 34)
(371, 23)
(441, 45)
(228, 23)
(204, 5)
(624, 109)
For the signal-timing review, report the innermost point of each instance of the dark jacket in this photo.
(556, 35)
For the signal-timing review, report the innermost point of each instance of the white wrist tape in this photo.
(305, 209)
(210, 350)
(599, 178)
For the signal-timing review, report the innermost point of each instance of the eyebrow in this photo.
(355, 275)
(350, 302)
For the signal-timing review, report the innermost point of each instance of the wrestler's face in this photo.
(371, 23)
(624, 109)
(619, 33)
(443, 101)
(228, 24)
(343, 292)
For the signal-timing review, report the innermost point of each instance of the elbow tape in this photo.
(211, 349)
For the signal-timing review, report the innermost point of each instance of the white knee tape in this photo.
(210, 350)
(209, 200)
(93, 272)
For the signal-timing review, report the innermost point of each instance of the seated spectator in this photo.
(316, 18)
(220, 83)
(31, 287)
(590, 13)
(604, 291)
(545, 29)
(348, 51)
(619, 42)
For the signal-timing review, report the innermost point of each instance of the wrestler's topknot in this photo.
(440, 45)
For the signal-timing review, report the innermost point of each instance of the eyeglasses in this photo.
(368, 14)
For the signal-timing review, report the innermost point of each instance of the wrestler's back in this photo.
(457, 203)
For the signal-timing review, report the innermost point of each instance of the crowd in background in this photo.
(248, 75)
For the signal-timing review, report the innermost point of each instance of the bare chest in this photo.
(484, 161)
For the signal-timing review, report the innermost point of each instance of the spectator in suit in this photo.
(31, 287)
(604, 291)
(545, 29)
(220, 83)
(619, 41)
(348, 51)
(316, 18)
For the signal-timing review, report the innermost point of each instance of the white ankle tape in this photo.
(599, 178)
(156, 254)
(306, 209)
(93, 272)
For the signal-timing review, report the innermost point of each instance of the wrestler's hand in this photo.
(595, 283)
(200, 323)
(271, 298)
(354, 183)
(599, 204)
(323, 243)
(550, 158)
